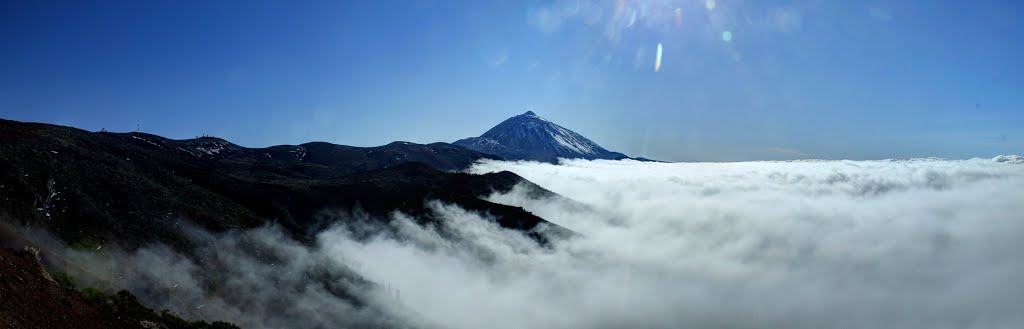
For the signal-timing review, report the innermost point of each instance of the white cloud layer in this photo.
(812, 244)
(809, 244)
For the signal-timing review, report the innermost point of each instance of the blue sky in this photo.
(815, 79)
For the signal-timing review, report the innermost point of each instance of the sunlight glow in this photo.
(657, 59)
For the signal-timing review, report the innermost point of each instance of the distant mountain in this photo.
(530, 137)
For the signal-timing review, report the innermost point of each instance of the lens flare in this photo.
(657, 59)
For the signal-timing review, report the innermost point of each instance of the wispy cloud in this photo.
(787, 151)
(879, 13)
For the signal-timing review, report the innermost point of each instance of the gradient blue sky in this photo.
(814, 79)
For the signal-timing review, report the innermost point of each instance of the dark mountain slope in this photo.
(31, 297)
(530, 137)
(135, 188)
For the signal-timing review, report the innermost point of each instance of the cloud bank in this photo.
(922, 243)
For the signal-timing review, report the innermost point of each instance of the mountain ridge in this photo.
(442, 156)
(135, 187)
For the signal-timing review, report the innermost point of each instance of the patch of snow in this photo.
(147, 141)
(574, 142)
(210, 150)
(299, 153)
(189, 152)
(49, 203)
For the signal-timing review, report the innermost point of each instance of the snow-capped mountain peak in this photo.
(530, 137)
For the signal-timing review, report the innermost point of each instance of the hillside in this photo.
(134, 188)
(32, 298)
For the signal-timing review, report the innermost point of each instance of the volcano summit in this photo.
(530, 137)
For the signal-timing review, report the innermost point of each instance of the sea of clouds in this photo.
(925, 243)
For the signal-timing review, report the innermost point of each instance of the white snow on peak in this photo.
(530, 114)
(533, 126)
(569, 140)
